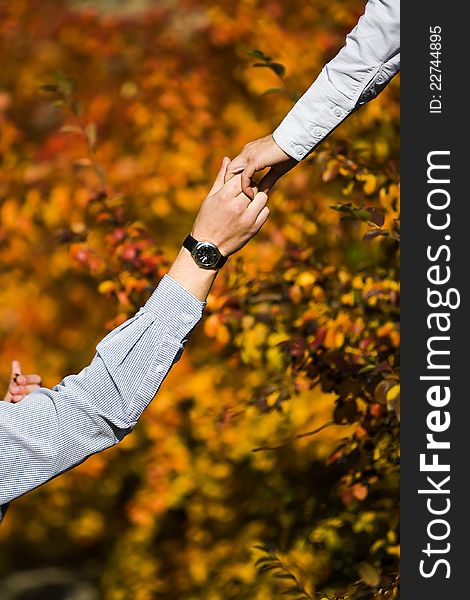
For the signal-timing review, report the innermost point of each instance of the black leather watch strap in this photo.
(190, 243)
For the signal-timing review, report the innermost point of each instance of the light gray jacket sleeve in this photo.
(53, 430)
(358, 73)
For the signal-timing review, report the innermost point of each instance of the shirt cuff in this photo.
(175, 305)
(320, 110)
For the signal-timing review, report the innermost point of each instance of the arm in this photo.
(53, 430)
(357, 74)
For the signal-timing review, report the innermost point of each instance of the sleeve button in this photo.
(316, 131)
(338, 112)
(187, 318)
(159, 368)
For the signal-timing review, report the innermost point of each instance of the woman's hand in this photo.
(256, 156)
(21, 385)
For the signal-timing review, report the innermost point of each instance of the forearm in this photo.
(52, 430)
(362, 68)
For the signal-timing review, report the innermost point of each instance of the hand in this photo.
(256, 156)
(20, 385)
(227, 217)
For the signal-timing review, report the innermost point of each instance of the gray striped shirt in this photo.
(53, 430)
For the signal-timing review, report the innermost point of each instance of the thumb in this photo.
(15, 369)
(219, 180)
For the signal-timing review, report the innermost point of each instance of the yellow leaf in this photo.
(106, 286)
(393, 393)
(369, 574)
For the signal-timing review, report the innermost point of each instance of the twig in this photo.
(296, 437)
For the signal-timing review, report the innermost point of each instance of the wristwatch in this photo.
(205, 254)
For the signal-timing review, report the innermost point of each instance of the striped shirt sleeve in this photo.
(53, 430)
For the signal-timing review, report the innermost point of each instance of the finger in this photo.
(15, 369)
(23, 389)
(247, 174)
(257, 205)
(28, 379)
(233, 187)
(219, 180)
(16, 398)
(235, 166)
(245, 200)
(261, 218)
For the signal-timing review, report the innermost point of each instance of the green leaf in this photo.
(343, 207)
(50, 88)
(259, 55)
(363, 214)
(278, 68)
(66, 84)
(366, 369)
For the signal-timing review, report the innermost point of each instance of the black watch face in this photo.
(206, 254)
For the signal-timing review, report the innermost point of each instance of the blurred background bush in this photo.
(268, 465)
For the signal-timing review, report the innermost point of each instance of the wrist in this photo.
(205, 252)
(280, 150)
(196, 280)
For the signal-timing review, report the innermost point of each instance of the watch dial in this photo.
(206, 254)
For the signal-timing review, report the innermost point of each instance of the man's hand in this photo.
(21, 385)
(256, 156)
(228, 217)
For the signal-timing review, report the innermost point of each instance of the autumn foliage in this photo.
(269, 462)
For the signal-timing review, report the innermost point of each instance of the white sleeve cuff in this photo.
(320, 110)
